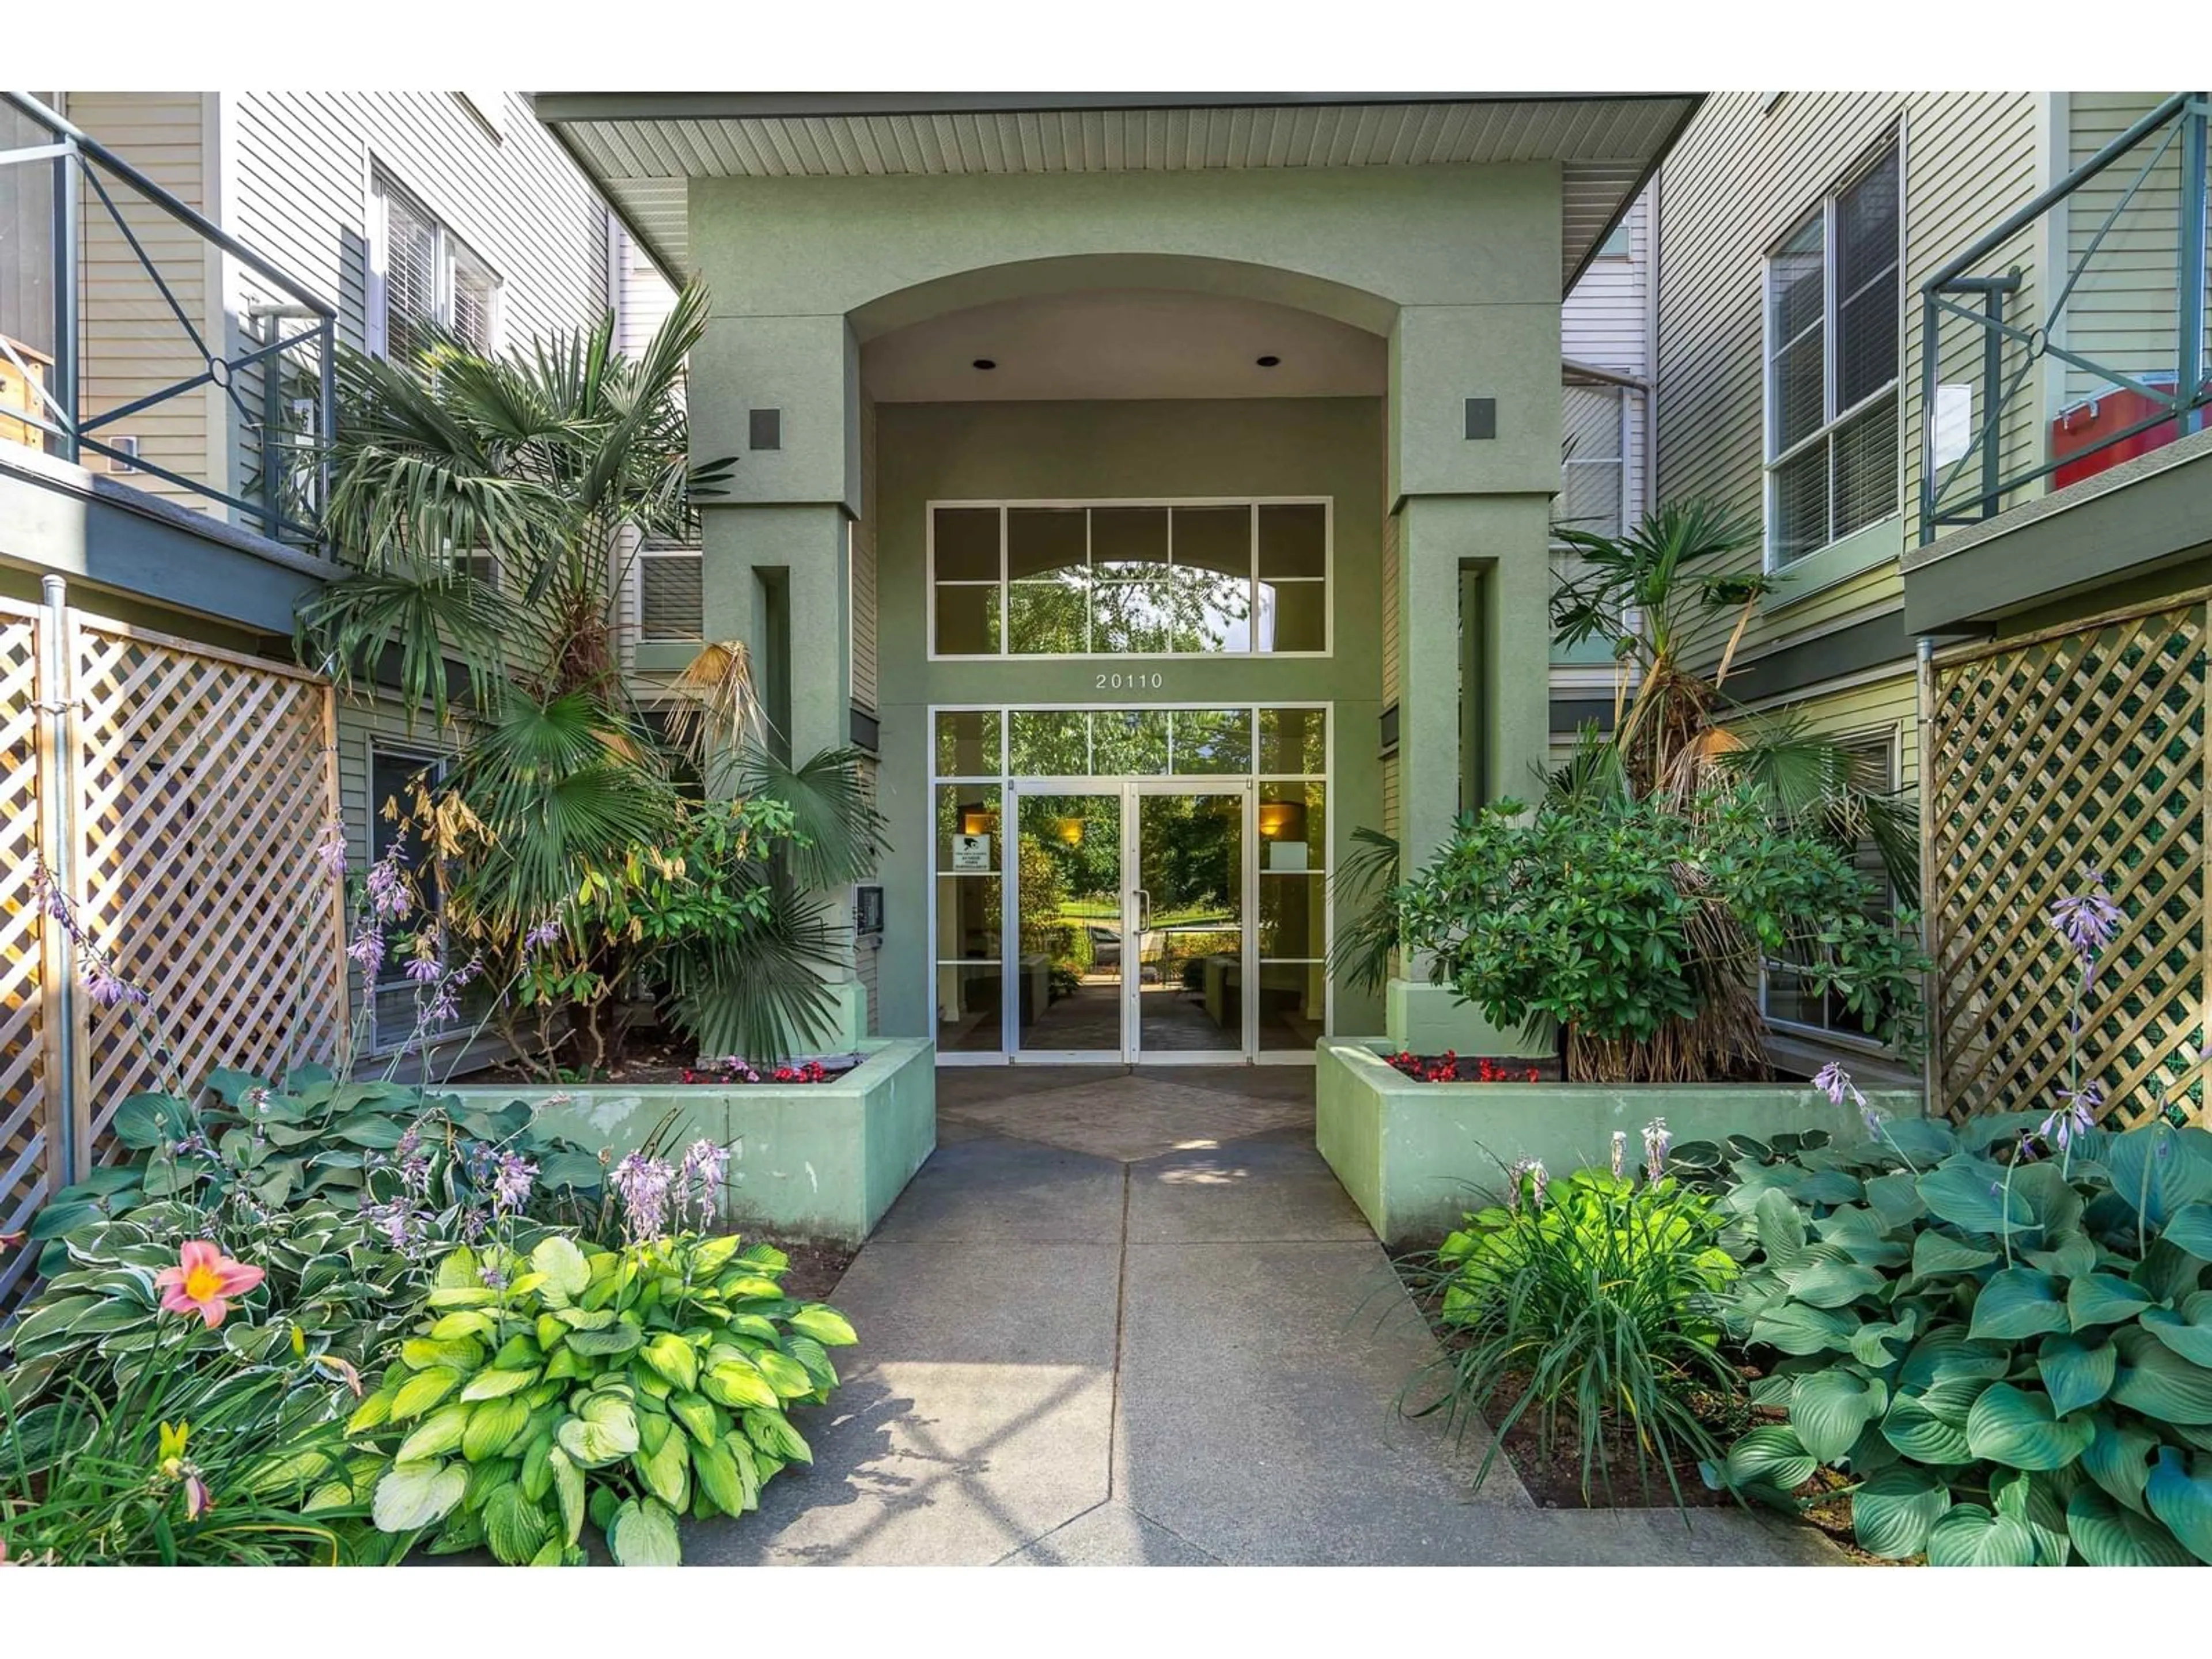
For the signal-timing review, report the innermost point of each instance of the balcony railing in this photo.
(109, 337)
(2072, 336)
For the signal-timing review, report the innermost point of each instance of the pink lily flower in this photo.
(203, 1281)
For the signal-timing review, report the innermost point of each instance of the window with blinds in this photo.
(1832, 304)
(670, 603)
(1790, 998)
(425, 278)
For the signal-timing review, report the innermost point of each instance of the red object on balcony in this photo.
(2085, 431)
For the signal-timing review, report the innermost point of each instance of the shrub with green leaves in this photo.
(2004, 1337)
(1597, 1298)
(629, 1387)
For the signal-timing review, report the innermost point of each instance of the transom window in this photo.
(1154, 579)
(1832, 304)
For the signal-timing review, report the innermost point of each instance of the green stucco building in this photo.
(1157, 487)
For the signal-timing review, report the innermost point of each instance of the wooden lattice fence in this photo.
(180, 791)
(2045, 756)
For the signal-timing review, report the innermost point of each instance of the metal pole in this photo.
(1992, 378)
(328, 436)
(272, 448)
(68, 1125)
(2188, 379)
(66, 331)
(1928, 352)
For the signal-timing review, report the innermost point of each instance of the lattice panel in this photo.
(2045, 756)
(204, 781)
(26, 1155)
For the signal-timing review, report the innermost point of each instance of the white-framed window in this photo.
(394, 773)
(422, 275)
(1833, 309)
(1787, 998)
(1130, 577)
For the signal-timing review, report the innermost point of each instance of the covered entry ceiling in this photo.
(642, 148)
(1126, 342)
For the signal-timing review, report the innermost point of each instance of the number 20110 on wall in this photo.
(1151, 682)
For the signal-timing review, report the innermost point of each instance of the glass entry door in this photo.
(1129, 928)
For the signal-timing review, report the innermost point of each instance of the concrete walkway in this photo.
(1134, 1319)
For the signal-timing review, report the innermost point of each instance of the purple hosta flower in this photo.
(544, 933)
(702, 1177)
(107, 988)
(330, 849)
(443, 1007)
(2077, 1114)
(368, 950)
(394, 1220)
(2089, 919)
(1656, 1140)
(424, 967)
(473, 1223)
(493, 1277)
(642, 1184)
(2025, 1153)
(1620, 1152)
(512, 1184)
(388, 898)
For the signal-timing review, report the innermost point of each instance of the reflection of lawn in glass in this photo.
(1109, 910)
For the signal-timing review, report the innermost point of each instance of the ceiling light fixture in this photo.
(985, 363)
(1268, 362)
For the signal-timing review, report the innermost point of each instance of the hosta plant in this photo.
(629, 1387)
(1596, 1298)
(2003, 1338)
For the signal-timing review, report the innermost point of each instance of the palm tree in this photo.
(490, 506)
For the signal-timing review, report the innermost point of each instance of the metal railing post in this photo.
(1993, 379)
(66, 318)
(328, 418)
(1929, 345)
(2189, 267)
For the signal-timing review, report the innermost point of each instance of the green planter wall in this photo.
(811, 1161)
(1411, 1154)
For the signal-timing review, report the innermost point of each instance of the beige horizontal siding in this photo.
(1742, 176)
(2122, 312)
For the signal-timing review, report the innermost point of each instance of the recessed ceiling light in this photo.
(1268, 362)
(985, 363)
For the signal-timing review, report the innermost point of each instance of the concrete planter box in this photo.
(811, 1161)
(1413, 1155)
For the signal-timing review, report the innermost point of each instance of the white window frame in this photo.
(1327, 578)
(1894, 731)
(655, 550)
(450, 251)
(1833, 418)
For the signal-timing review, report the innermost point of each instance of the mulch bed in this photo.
(815, 1269)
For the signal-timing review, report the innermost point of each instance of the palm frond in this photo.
(1361, 887)
(766, 996)
(716, 712)
(433, 620)
(840, 832)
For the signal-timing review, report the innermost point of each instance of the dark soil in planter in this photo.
(815, 1269)
(1448, 1068)
(650, 1060)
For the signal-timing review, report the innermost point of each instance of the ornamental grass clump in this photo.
(1589, 1307)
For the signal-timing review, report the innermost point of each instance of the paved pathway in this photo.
(1134, 1319)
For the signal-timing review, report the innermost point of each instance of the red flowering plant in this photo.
(1448, 1068)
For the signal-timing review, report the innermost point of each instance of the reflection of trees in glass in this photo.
(1189, 846)
(1137, 609)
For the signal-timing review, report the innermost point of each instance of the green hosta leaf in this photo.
(373, 1412)
(2102, 1299)
(666, 1470)
(2160, 1170)
(1935, 1253)
(1893, 1512)
(2190, 1228)
(415, 1495)
(494, 1384)
(716, 1472)
(1831, 1407)
(2116, 1455)
(421, 1352)
(2159, 1383)
(536, 1476)
(1947, 1353)
(824, 1324)
(2188, 1332)
(621, 1338)
(2017, 1301)
(785, 1375)
(2183, 1499)
(515, 1528)
(1822, 1284)
(567, 1492)
(144, 1121)
(566, 1273)
(453, 1326)
(2038, 1502)
(1968, 1535)
(2017, 1428)
(579, 1170)
(1970, 1192)
(1772, 1455)
(816, 1358)
(2075, 1374)
(439, 1433)
(584, 1319)
(1781, 1226)
(771, 1432)
(643, 1534)
(491, 1426)
(2110, 1536)
(1921, 1435)
(674, 1359)
(423, 1390)
(603, 1436)
(1871, 1343)
(734, 1384)
(696, 1413)
(1896, 1199)
(1794, 1328)
(1828, 1187)
(2072, 1254)
(1922, 1140)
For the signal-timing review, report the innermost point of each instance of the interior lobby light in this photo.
(1279, 819)
(975, 820)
